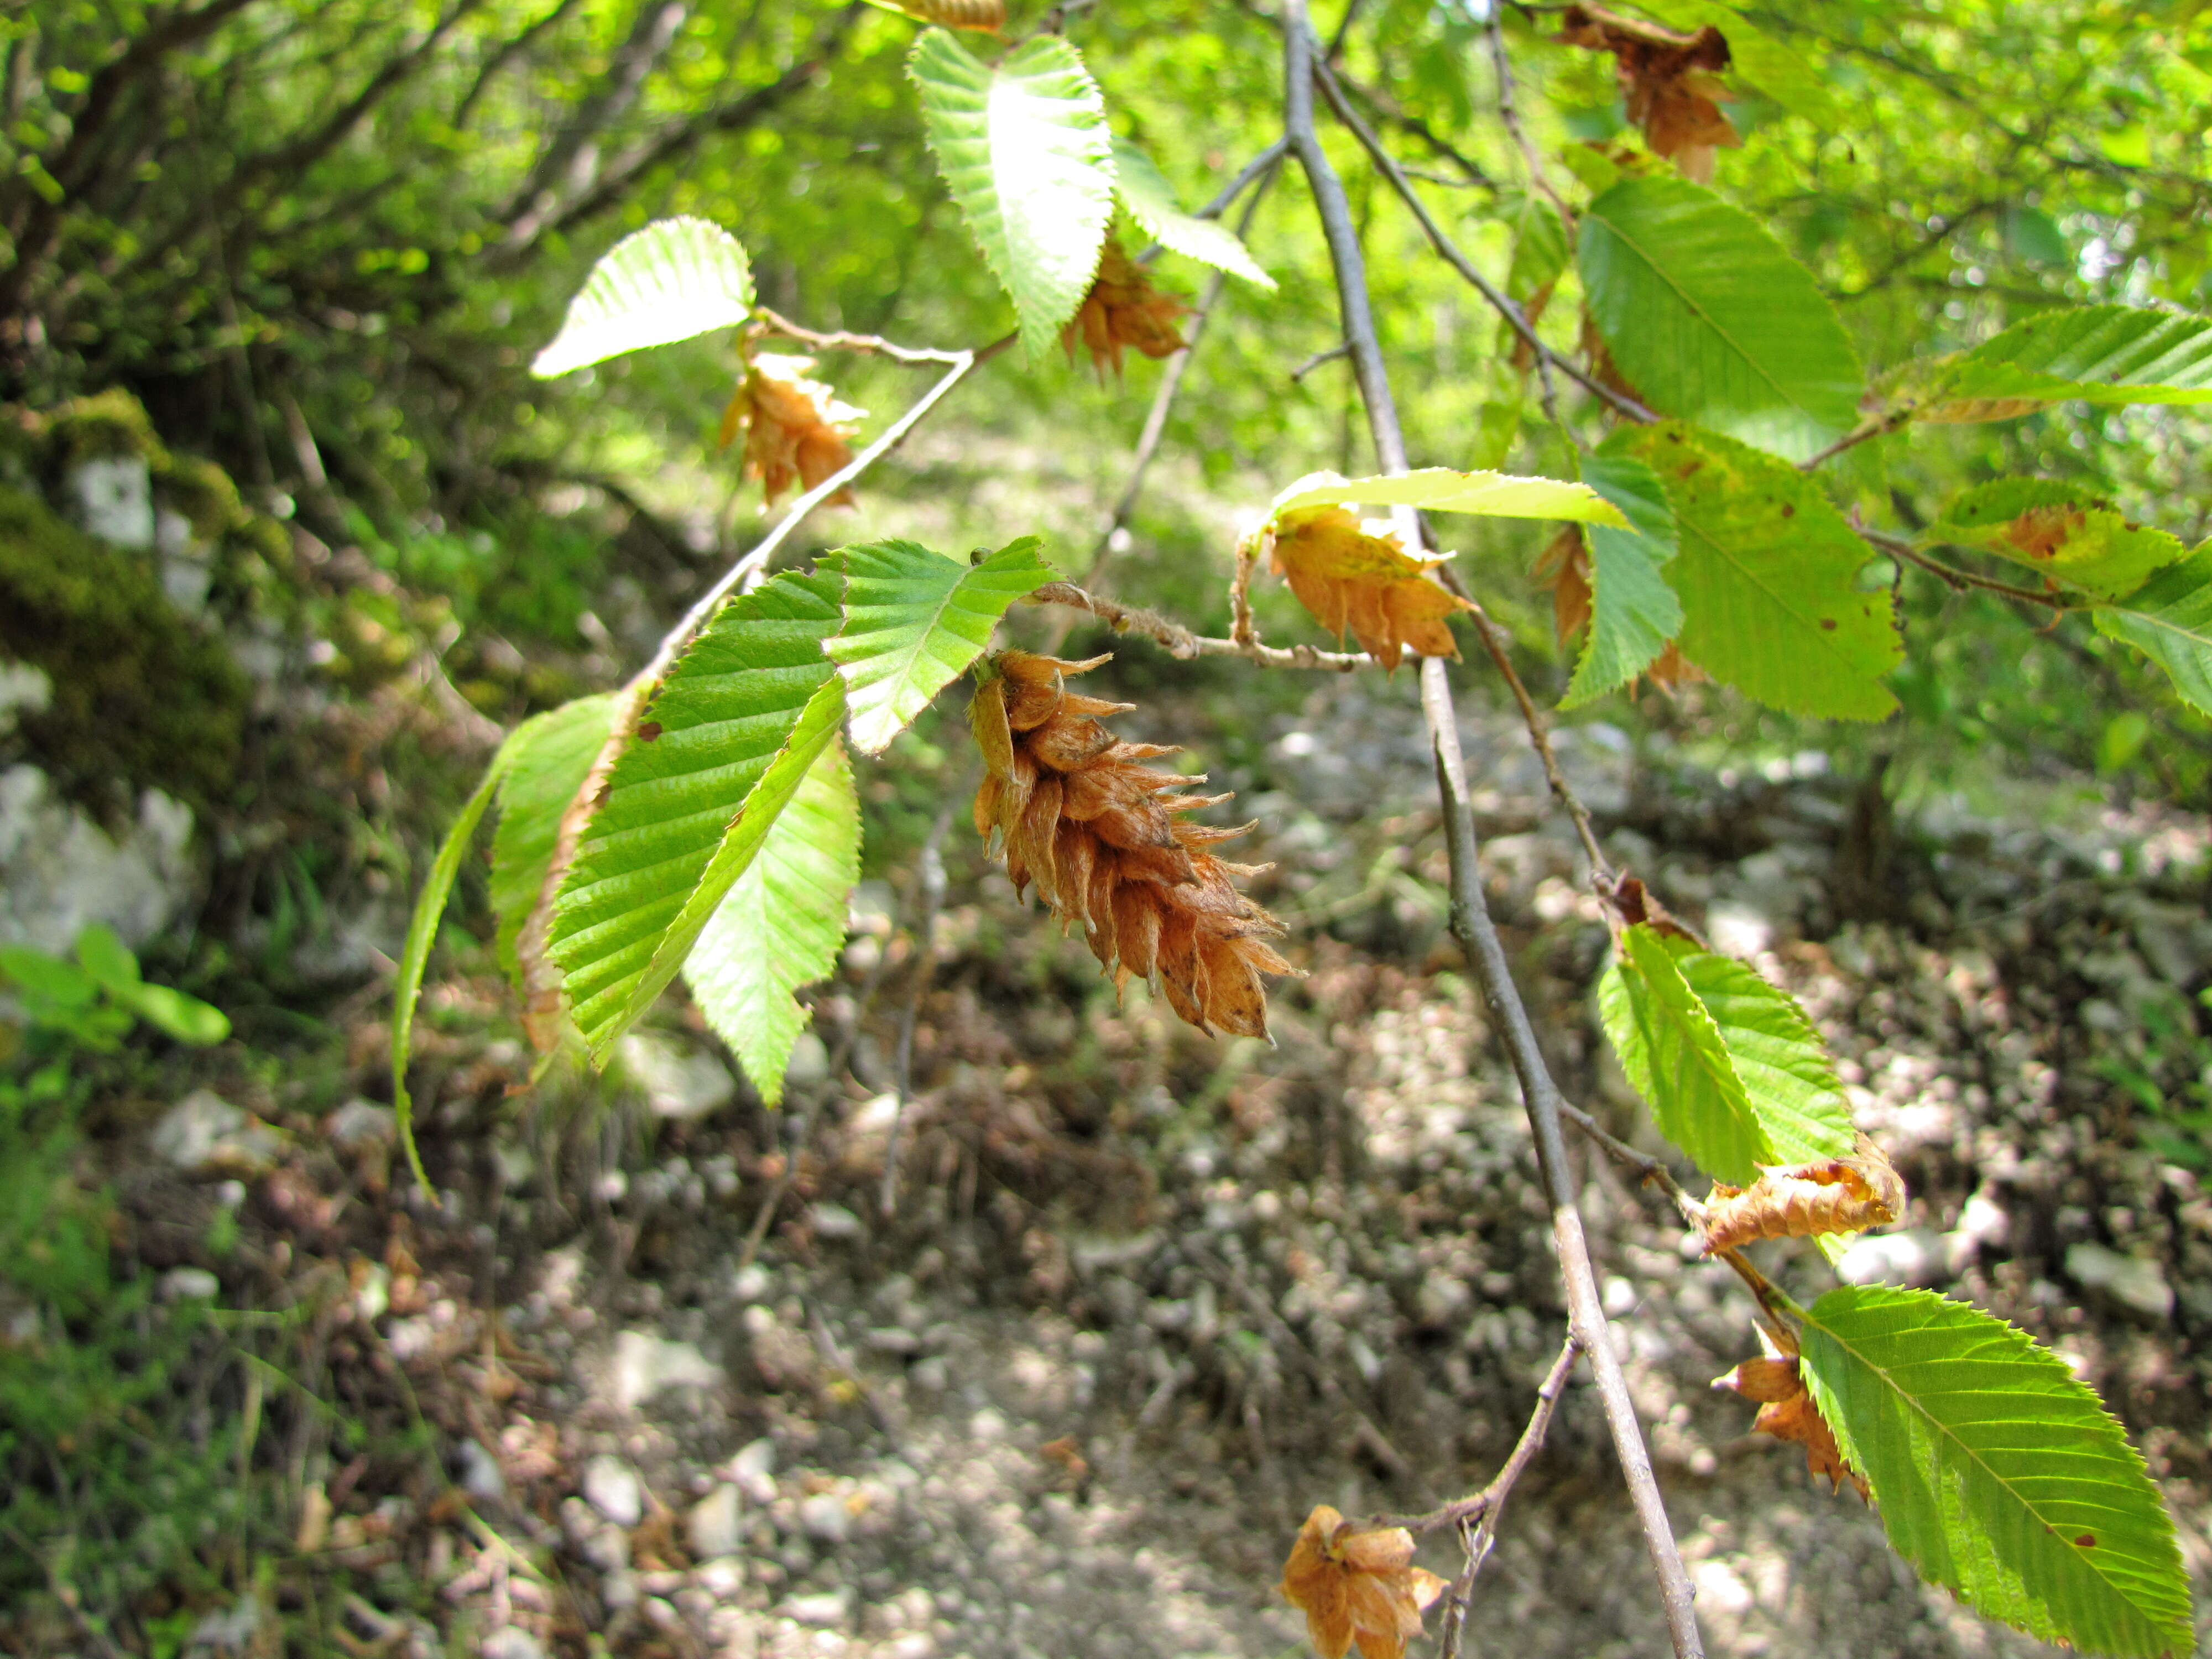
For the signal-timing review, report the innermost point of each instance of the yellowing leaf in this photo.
(1440, 490)
(1358, 578)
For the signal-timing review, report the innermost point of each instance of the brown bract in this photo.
(1356, 1586)
(1786, 1411)
(1667, 79)
(794, 427)
(1356, 577)
(1124, 310)
(1838, 1196)
(1103, 837)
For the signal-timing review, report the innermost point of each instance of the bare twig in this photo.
(1163, 399)
(929, 875)
(1339, 349)
(1182, 643)
(1448, 251)
(1471, 920)
(1495, 640)
(1649, 1170)
(1897, 547)
(872, 345)
(1879, 426)
(1509, 113)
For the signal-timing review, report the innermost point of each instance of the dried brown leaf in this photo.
(1356, 577)
(1123, 310)
(1787, 1411)
(794, 427)
(1838, 1196)
(1356, 1586)
(1667, 79)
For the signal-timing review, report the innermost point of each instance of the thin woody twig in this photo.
(1649, 1170)
(1471, 920)
(1897, 547)
(1509, 113)
(1171, 387)
(1464, 1510)
(872, 345)
(1182, 643)
(1448, 251)
(1494, 641)
(1339, 349)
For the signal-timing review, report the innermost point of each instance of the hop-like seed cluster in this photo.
(1103, 837)
(1123, 309)
(794, 427)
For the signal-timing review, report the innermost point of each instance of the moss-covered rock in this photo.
(140, 697)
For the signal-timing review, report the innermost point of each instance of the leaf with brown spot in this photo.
(1666, 79)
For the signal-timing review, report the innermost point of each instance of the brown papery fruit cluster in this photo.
(1355, 1586)
(1103, 836)
(1123, 309)
(794, 427)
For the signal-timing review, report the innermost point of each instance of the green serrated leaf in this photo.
(1151, 203)
(2169, 620)
(1440, 490)
(1633, 613)
(781, 925)
(2101, 354)
(2058, 530)
(1996, 1473)
(1735, 1073)
(1025, 151)
(914, 620)
(1768, 575)
(548, 756)
(726, 714)
(1712, 320)
(674, 279)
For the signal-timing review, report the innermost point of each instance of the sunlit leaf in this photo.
(1633, 612)
(1151, 203)
(674, 279)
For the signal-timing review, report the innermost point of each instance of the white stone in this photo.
(1983, 1224)
(229, 1632)
(204, 1133)
(716, 1524)
(362, 1123)
(115, 499)
(24, 688)
(481, 1476)
(190, 1285)
(753, 1469)
(511, 1642)
(834, 1221)
(824, 1518)
(821, 1611)
(809, 1065)
(60, 871)
(611, 1488)
(1915, 1256)
(2128, 1280)
(645, 1364)
(679, 1081)
(1737, 930)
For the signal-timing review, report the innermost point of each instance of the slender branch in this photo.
(1524, 1451)
(1329, 356)
(541, 976)
(871, 345)
(1897, 547)
(1649, 1170)
(1509, 113)
(1471, 920)
(1881, 427)
(929, 868)
(1448, 251)
(1496, 641)
(1182, 643)
(1163, 399)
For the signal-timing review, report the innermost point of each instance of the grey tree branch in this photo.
(1471, 921)
(1182, 643)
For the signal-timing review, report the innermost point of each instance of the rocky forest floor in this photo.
(663, 1373)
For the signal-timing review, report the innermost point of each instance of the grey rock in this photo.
(511, 1642)
(824, 1518)
(190, 1285)
(679, 1081)
(113, 496)
(2135, 1284)
(611, 1488)
(60, 871)
(481, 1475)
(205, 1135)
(362, 1123)
(715, 1525)
(645, 1364)
(821, 1611)
(1916, 1256)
